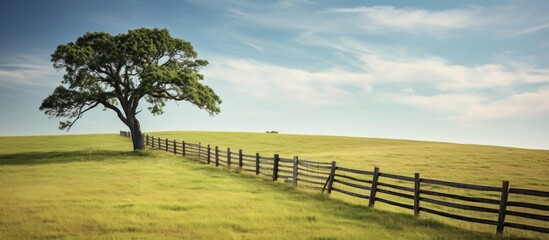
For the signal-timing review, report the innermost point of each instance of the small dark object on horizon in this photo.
(272, 132)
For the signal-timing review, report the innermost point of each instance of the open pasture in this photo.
(469, 164)
(92, 186)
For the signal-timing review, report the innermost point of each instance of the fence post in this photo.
(294, 175)
(199, 150)
(416, 194)
(216, 156)
(256, 163)
(275, 167)
(229, 157)
(240, 158)
(147, 139)
(209, 150)
(183, 148)
(502, 206)
(374, 187)
(166, 144)
(174, 147)
(159, 144)
(331, 177)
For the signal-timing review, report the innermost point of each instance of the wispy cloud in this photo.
(373, 70)
(500, 88)
(472, 108)
(510, 19)
(445, 76)
(254, 46)
(263, 80)
(349, 20)
(393, 65)
(529, 29)
(24, 71)
(410, 19)
(456, 92)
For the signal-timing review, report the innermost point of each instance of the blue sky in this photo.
(453, 71)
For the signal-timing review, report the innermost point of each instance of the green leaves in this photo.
(118, 71)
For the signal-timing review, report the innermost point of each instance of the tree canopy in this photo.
(116, 72)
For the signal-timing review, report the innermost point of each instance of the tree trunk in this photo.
(137, 136)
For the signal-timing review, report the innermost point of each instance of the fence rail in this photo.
(414, 193)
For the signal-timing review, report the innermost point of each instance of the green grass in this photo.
(476, 164)
(92, 186)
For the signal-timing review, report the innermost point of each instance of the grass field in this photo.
(92, 186)
(479, 164)
(476, 164)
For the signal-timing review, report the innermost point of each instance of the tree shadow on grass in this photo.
(53, 157)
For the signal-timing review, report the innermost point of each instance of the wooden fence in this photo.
(468, 202)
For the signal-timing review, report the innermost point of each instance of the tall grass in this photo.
(89, 187)
(479, 164)
(484, 165)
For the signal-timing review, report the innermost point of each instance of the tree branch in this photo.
(80, 113)
(114, 108)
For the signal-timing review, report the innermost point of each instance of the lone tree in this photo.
(119, 71)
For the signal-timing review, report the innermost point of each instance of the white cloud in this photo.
(459, 92)
(456, 92)
(262, 80)
(470, 108)
(462, 92)
(25, 74)
(393, 65)
(510, 19)
(529, 29)
(445, 76)
(446, 103)
(254, 46)
(351, 20)
(411, 19)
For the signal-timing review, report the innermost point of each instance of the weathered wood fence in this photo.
(468, 202)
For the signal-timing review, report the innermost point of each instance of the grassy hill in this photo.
(476, 164)
(92, 186)
(479, 164)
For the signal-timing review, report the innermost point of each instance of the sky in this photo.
(451, 71)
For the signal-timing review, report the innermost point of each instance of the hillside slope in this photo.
(478, 164)
(89, 187)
